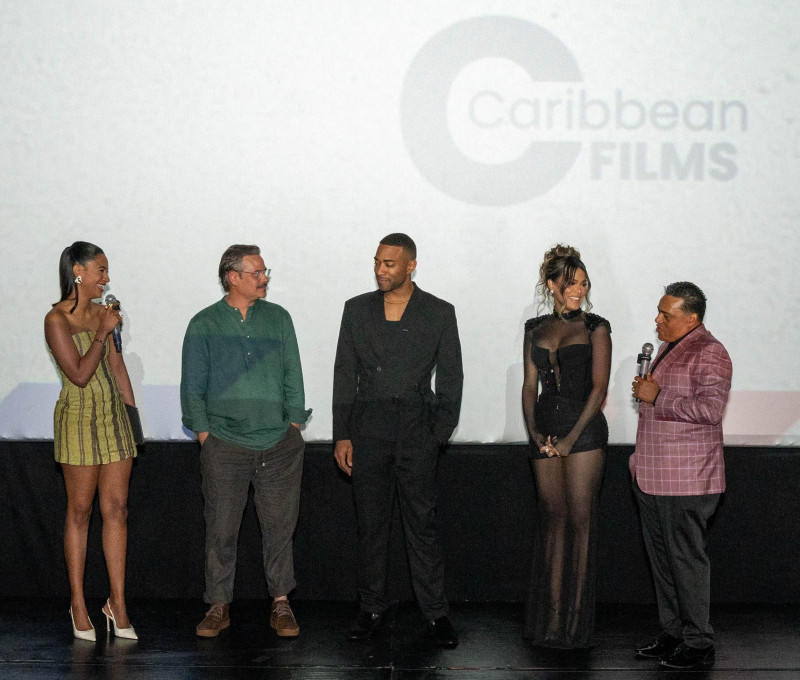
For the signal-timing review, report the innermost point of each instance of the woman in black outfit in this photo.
(569, 352)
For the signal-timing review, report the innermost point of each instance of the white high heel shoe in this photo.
(82, 634)
(127, 633)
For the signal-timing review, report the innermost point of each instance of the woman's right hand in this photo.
(538, 440)
(109, 318)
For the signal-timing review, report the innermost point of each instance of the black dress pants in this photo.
(675, 535)
(383, 470)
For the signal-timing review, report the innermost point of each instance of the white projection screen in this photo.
(660, 138)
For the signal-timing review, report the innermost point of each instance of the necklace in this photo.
(399, 302)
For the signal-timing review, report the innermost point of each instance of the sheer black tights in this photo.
(567, 493)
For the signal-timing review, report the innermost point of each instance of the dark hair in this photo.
(694, 301)
(561, 262)
(404, 241)
(232, 261)
(80, 252)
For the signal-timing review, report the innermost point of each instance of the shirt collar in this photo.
(675, 342)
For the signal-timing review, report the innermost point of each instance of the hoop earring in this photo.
(78, 279)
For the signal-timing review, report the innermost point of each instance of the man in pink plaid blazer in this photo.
(679, 473)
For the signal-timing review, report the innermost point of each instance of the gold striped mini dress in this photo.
(90, 424)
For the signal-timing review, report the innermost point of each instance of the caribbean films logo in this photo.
(495, 111)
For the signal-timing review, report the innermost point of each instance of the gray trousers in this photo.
(228, 470)
(675, 535)
(383, 471)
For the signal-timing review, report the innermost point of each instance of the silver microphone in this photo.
(112, 302)
(643, 360)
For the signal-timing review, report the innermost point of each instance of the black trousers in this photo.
(675, 535)
(383, 470)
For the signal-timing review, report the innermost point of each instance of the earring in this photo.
(78, 279)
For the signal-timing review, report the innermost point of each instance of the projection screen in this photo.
(661, 139)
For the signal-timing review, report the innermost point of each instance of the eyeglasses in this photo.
(256, 273)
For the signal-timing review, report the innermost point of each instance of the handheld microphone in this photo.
(112, 302)
(643, 360)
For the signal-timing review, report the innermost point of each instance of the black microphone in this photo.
(112, 302)
(643, 360)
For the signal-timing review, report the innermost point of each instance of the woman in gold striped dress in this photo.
(92, 432)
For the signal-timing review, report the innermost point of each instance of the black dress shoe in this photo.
(366, 624)
(690, 658)
(663, 645)
(444, 633)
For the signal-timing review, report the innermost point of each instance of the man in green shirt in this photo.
(242, 394)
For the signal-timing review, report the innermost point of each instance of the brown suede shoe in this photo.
(282, 619)
(216, 620)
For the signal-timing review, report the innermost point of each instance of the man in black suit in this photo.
(389, 427)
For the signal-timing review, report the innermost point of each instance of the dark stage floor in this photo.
(755, 642)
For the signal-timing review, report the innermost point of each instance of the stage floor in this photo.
(754, 642)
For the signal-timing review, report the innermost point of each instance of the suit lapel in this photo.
(377, 320)
(684, 345)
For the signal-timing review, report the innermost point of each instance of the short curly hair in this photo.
(404, 241)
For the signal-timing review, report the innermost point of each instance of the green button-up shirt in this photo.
(241, 378)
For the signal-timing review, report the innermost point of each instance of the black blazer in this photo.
(382, 375)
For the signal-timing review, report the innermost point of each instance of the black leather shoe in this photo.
(663, 645)
(444, 633)
(690, 658)
(366, 624)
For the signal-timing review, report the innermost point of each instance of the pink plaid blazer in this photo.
(679, 440)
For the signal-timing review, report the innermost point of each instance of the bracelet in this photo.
(102, 342)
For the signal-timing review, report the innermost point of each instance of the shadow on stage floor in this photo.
(755, 642)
